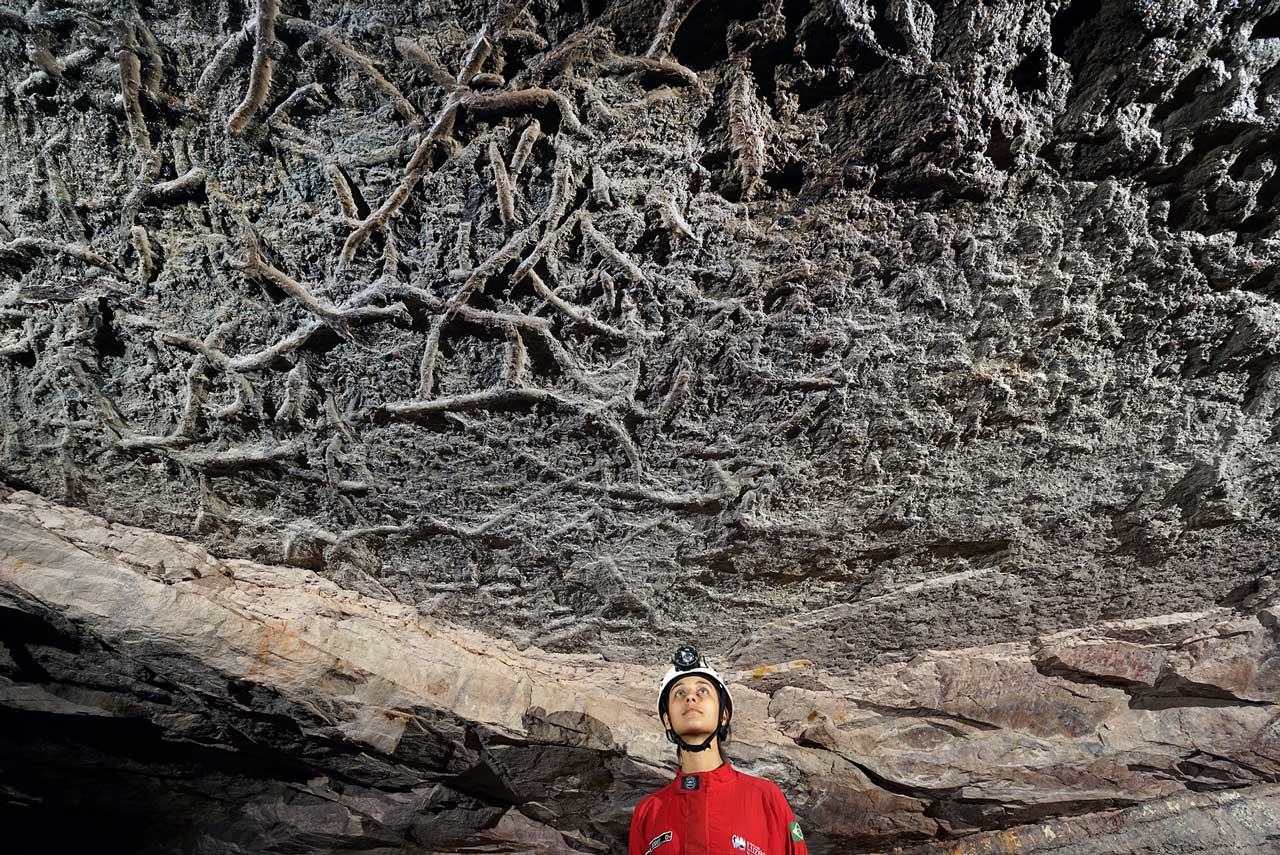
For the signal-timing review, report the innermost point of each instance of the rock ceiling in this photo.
(811, 330)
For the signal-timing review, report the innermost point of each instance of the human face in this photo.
(692, 707)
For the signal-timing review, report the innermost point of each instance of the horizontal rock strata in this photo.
(1194, 824)
(229, 706)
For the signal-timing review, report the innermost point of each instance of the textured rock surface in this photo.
(851, 303)
(178, 700)
(1200, 824)
(827, 330)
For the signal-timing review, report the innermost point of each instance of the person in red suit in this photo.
(710, 808)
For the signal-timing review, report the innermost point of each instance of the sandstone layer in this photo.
(182, 702)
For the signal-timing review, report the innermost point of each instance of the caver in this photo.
(710, 808)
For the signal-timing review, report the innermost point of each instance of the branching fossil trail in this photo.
(257, 267)
(26, 246)
(497, 398)
(219, 63)
(610, 251)
(260, 70)
(503, 187)
(518, 284)
(440, 130)
(574, 313)
(528, 138)
(674, 13)
(339, 47)
(663, 68)
(130, 84)
(523, 101)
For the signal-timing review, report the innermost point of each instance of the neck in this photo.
(692, 762)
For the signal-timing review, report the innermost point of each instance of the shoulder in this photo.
(763, 786)
(765, 793)
(652, 802)
(754, 782)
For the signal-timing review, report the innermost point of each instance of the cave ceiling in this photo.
(807, 330)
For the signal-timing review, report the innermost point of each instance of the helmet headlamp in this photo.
(687, 662)
(686, 658)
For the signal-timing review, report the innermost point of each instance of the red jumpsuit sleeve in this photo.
(793, 834)
(635, 845)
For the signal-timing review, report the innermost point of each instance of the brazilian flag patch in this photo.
(796, 833)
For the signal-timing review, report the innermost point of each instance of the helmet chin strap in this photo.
(689, 746)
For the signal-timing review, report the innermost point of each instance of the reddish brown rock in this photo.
(411, 731)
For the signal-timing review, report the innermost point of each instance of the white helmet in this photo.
(687, 663)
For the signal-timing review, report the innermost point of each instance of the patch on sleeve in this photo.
(662, 838)
(796, 834)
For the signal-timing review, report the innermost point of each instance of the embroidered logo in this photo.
(689, 782)
(739, 843)
(662, 838)
(796, 833)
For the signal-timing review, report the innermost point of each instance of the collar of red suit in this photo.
(693, 782)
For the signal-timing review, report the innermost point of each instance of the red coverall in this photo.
(721, 812)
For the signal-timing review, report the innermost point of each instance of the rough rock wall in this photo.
(174, 701)
(835, 331)
(580, 323)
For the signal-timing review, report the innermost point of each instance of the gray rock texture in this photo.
(1191, 824)
(180, 702)
(847, 332)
